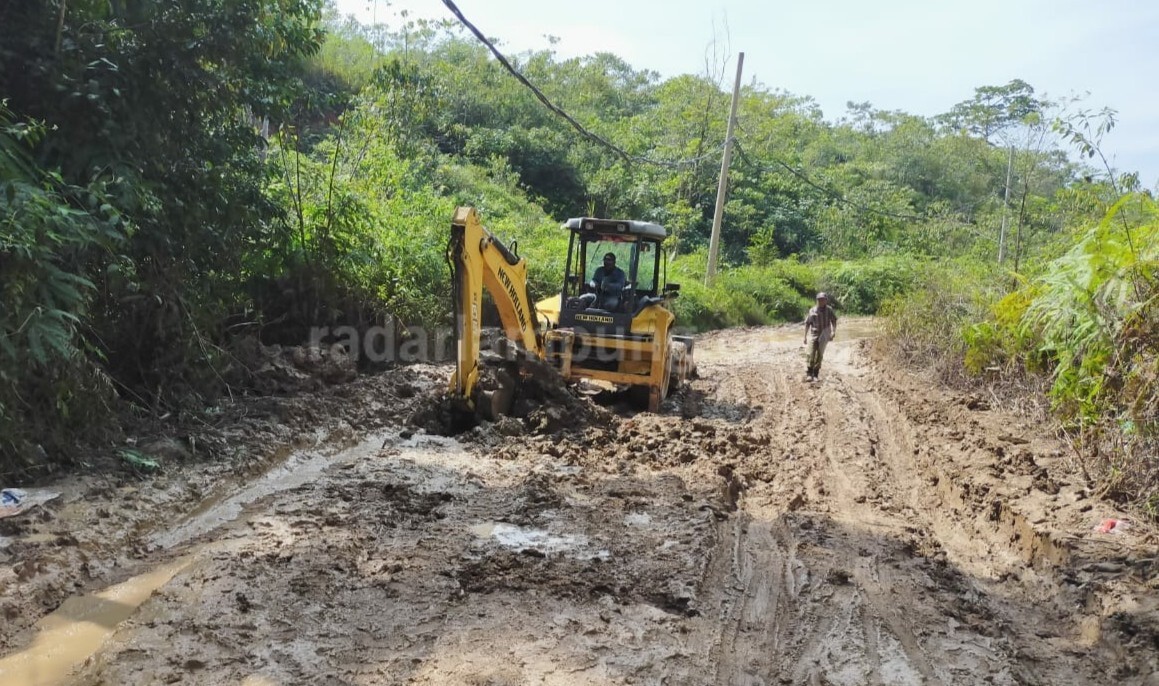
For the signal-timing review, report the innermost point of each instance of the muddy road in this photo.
(867, 529)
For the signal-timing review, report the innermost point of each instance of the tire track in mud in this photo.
(986, 562)
(750, 583)
(898, 587)
(766, 626)
(846, 419)
(756, 615)
(839, 632)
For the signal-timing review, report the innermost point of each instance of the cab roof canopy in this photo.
(592, 225)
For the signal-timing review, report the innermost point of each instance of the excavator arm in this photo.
(479, 260)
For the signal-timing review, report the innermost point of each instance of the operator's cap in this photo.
(822, 296)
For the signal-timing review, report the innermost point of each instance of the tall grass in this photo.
(740, 296)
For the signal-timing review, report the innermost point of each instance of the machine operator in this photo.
(608, 283)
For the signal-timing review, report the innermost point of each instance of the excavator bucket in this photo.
(495, 402)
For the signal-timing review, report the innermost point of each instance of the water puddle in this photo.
(298, 470)
(77, 629)
(638, 519)
(568, 469)
(847, 330)
(522, 538)
(858, 328)
(425, 440)
(511, 536)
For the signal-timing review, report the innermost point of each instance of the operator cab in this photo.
(614, 270)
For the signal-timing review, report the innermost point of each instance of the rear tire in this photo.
(639, 397)
(669, 374)
(679, 364)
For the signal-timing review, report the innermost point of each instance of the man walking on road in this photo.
(820, 327)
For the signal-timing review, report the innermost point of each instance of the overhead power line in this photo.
(558, 111)
(831, 192)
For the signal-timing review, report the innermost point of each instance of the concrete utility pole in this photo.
(722, 187)
(1005, 209)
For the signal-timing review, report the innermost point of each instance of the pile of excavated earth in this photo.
(867, 529)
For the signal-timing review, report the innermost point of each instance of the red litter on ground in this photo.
(1111, 526)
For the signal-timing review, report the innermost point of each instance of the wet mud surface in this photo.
(867, 529)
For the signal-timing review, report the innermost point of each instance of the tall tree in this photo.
(998, 112)
(149, 109)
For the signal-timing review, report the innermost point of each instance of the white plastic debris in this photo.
(15, 501)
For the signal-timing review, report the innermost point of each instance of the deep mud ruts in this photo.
(868, 529)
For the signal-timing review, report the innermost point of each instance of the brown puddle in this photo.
(77, 629)
(72, 634)
(849, 329)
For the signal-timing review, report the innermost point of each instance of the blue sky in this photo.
(920, 56)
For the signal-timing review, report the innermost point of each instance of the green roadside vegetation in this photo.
(172, 182)
(1080, 329)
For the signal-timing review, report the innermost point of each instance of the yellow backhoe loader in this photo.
(610, 325)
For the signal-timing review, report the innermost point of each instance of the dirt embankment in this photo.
(868, 529)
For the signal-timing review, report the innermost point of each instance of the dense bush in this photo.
(861, 287)
(131, 179)
(741, 296)
(804, 278)
(1086, 325)
(784, 290)
(1093, 317)
(48, 230)
(369, 227)
(928, 323)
